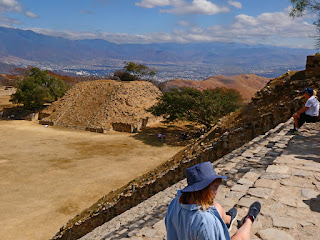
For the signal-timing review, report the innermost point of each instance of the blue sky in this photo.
(157, 21)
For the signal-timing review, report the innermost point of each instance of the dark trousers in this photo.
(306, 118)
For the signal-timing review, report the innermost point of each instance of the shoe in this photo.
(253, 212)
(233, 213)
(293, 131)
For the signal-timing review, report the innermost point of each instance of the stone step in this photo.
(251, 175)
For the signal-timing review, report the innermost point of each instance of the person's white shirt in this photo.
(313, 106)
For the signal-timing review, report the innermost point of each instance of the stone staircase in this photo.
(264, 169)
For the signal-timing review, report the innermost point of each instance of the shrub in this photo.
(37, 88)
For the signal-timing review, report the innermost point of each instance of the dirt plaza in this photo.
(50, 174)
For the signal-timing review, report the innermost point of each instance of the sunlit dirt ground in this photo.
(48, 174)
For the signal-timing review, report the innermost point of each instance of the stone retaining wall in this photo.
(122, 127)
(313, 66)
(95, 129)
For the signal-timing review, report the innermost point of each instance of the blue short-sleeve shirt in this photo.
(189, 222)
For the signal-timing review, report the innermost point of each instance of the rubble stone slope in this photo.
(99, 104)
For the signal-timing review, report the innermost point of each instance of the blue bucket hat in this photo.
(308, 90)
(200, 176)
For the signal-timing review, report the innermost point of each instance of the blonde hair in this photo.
(203, 198)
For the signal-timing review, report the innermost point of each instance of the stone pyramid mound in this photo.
(104, 105)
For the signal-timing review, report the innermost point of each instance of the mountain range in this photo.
(25, 47)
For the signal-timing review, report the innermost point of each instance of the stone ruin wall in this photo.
(313, 66)
(122, 127)
(116, 126)
(129, 127)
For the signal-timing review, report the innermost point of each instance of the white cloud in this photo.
(184, 23)
(7, 6)
(153, 3)
(31, 14)
(8, 22)
(181, 7)
(247, 20)
(235, 4)
(276, 29)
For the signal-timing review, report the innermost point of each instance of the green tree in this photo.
(133, 71)
(37, 88)
(204, 107)
(300, 7)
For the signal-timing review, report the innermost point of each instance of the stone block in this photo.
(287, 201)
(273, 154)
(277, 169)
(234, 195)
(309, 193)
(229, 166)
(240, 188)
(256, 150)
(261, 192)
(312, 164)
(281, 145)
(133, 233)
(159, 225)
(266, 183)
(230, 183)
(228, 203)
(309, 168)
(252, 176)
(147, 232)
(294, 183)
(283, 222)
(272, 234)
(245, 181)
(247, 154)
(317, 184)
(275, 176)
(305, 224)
(303, 174)
(254, 159)
(247, 201)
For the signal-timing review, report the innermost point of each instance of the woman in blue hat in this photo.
(194, 215)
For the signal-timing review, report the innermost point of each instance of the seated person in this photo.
(194, 215)
(310, 111)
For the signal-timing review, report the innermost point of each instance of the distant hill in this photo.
(6, 80)
(6, 68)
(32, 48)
(247, 84)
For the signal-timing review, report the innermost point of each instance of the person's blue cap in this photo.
(308, 90)
(200, 176)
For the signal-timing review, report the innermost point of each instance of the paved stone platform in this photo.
(279, 169)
